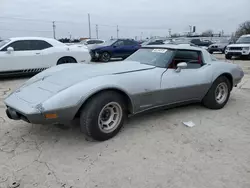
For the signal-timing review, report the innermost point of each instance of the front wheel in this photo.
(218, 94)
(105, 57)
(211, 52)
(103, 116)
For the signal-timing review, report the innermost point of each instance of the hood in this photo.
(58, 78)
(239, 45)
(96, 46)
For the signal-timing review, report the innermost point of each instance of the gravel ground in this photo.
(153, 150)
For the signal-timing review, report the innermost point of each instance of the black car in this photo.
(199, 42)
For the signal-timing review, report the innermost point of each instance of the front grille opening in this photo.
(24, 118)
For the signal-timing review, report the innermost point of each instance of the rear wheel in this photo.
(103, 116)
(218, 94)
(227, 56)
(64, 60)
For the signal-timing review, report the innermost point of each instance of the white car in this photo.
(26, 55)
(241, 48)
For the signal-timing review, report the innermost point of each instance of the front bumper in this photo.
(215, 49)
(237, 53)
(18, 109)
(94, 55)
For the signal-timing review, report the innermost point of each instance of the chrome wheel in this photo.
(110, 117)
(221, 93)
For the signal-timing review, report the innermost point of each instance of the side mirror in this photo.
(114, 46)
(10, 49)
(180, 66)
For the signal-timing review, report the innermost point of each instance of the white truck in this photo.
(241, 48)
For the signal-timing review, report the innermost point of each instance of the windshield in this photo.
(2, 43)
(109, 42)
(243, 40)
(152, 56)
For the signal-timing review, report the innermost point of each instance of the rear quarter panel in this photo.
(80, 54)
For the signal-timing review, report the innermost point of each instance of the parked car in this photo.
(102, 95)
(92, 41)
(241, 48)
(121, 48)
(219, 46)
(199, 42)
(30, 55)
(153, 42)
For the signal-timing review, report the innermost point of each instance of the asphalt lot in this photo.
(152, 151)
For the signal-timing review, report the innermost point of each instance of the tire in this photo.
(211, 52)
(228, 56)
(64, 60)
(211, 99)
(98, 111)
(223, 51)
(105, 57)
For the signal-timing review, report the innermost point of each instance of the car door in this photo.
(190, 83)
(130, 47)
(43, 58)
(23, 58)
(118, 49)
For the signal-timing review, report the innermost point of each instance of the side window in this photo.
(129, 43)
(39, 45)
(119, 43)
(99, 42)
(192, 58)
(91, 42)
(21, 45)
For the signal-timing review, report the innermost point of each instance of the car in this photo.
(241, 48)
(30, 55)
(92, 41)
(153, 42)
(119, 48)
(199, 42)
(102, 95)
(218, 46)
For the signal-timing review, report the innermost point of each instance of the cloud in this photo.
(134, 17)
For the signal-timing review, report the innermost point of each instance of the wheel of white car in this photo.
(103, 115)
(64, 60)
(218, 94)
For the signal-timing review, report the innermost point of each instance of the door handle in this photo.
(38, 53)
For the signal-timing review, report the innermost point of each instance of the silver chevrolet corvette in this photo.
(102, 95)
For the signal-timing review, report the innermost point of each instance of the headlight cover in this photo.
(246, 48)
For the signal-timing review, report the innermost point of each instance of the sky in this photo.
(141, 18)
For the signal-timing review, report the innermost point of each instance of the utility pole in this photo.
(96, 27)
(190, 28)
(169, 32)
(54, 29)
(89, 26)
(117, 31)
